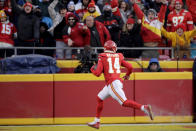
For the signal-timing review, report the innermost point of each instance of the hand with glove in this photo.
(126, 77)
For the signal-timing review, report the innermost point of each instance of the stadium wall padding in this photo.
(71, 98)
(68, 66)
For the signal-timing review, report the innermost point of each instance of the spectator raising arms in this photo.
(130, 37)
(7, 34)
(27, 26)
(180, 40)
(58, 18)
(151, 28)
(179, 15)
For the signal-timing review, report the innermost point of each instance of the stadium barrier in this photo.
(71, 98)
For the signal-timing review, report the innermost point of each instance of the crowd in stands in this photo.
(80, 23)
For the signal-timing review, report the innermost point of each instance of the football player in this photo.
(109, 64)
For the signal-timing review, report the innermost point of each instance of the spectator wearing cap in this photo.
(82, 7)
(180, 40)
(153, 66)
(27, 26)
(75, 34)
(151, 28)
(179, 15)
(71, 6)
(115, 9)
(59, 22)
(91, 11)
(99, 33)
(192, 8)
(130, 37)
(112, 22)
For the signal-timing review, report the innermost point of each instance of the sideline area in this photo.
(105, 127)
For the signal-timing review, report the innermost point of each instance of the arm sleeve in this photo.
(99, 69)
(87, 37)
(190, 25)
(166, 34)
(15, 7)
(128, 66)
(162, 12)
(138, 11)
(51, 9)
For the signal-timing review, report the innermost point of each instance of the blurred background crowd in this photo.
(90, 23)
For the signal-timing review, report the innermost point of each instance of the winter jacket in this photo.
(131, 39)
(113, 24)
(27, 24)
(80, 36)
(153, 60)
(183, 40)
(151, 31)
(104, 34)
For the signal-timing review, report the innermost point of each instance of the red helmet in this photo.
(110, 46)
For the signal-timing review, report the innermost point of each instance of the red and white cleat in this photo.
(148, 111)
(94, 124)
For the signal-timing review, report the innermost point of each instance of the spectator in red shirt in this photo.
(75, 34)
(179, 15)
(7, 34)
(192, 8)
(99, 33)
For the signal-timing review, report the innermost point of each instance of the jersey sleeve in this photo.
(99, 69)
(127, 65)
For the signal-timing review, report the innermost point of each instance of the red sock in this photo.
(99, 107)
(132, 104)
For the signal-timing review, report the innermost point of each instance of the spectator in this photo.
(115, 9)
(130, 37)
(99, 33)
(81, 8)
(192, 8)
(7, 34)
(113, 23)
(71, 7)
(151, 28)
(46, 40)
(27, 26)
(153, 66)
(59, 22)
(179, 15)
(125, 11)
(180, 40)
(44, 7)
(75, 34)
(91, 11)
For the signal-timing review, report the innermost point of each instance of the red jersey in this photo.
(175, 18)
(109, 64)
(7, 30)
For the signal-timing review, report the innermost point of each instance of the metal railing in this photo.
(94, 48)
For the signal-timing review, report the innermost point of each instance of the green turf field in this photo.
(105, 127)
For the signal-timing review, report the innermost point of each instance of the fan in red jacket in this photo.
(179, 15)
(192, 8)
(99, 33)
(75, 34)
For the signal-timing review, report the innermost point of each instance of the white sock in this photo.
(97, 119)
(142, 107)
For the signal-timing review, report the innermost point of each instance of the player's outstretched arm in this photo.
(97, 69)
(129, 69)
